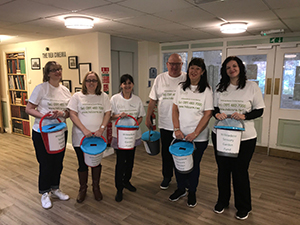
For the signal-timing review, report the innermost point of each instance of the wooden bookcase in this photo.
(17, 86)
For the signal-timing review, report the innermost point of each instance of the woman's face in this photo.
(195, 73)
(91, 83)
(55, 72)
(127, 86)
(233, 69)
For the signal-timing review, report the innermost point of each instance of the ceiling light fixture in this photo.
(79, 22)
(233, 27)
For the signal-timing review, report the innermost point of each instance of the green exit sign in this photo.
(276, 40)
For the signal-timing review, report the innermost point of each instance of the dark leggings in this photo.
(50, 165)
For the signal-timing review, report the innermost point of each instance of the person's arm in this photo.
(116, 116)
(176, 124)
(150, 109)
(140, 119)
(253, 114)
(201, 126)
(105, 121)
(77, 122)
(31, 110)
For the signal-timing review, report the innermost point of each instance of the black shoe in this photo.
(192, 201)
(165, 183)
(119, 196)
(129, 186)
(242, 215)
(219, 208)
(177, 195)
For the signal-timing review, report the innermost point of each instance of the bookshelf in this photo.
(17, 86)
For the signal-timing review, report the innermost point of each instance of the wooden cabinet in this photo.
(17, 86)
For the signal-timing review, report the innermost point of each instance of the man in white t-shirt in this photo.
(162, 94)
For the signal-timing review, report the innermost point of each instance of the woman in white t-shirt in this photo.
(242, 99)
(192, 110)
(123, 104)
(49, 97)
(90, 113)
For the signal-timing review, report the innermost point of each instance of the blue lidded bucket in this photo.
(93, 148)
(182, 152)
(151, 142)
(229, 133)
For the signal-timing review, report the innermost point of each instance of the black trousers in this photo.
(238, 169)
(193, 176)
(51, 165)
(167, 159)
(124, 166)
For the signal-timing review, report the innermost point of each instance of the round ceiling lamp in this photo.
(233, 27)
(79, 22)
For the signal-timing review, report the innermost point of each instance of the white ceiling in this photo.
(151, 20)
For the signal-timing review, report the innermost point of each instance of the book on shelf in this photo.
(24, 98)
(26, 128)
(24, 115)
(14, 65)
(15, 111)
(17, 126)
(22, 66)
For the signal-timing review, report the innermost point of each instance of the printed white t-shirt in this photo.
(191, 105)
(49, 98)
(132, 106)
(242, 101)
(91, 110)
(163, 91)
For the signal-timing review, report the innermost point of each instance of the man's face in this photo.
(174, 65)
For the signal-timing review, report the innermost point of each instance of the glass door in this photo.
(260, 66)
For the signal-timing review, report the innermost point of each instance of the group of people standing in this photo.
(172, 92)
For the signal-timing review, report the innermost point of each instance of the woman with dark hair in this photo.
(242, 99)
(49, 97)
(90, 113)
(192, 110)
(123, 104)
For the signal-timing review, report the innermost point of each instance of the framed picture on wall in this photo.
(35, 64)
(73, 62)
(83, 68)
(77, 89)
(68, 84)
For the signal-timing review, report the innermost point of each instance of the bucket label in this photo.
(92, 160)
(56, 140)
(126, 139)
(183, 163)
(228, 141)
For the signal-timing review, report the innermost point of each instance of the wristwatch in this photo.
(64, 114)
(102, 126)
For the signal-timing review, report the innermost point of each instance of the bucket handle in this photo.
(184, 141)
(41, 121)
(137, 123)
(93, 134)
(229, 117)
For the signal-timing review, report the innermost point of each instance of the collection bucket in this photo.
(229, 132)
(53, 136)
(126, 133)
(182, 152)
(151, 142)
(93, 148)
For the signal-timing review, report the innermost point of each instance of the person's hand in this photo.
(99, 132)
(179, 135)
(221, 116)
(87, 133)
(190, 137)
(53, 114)
(122, 114)
(148, 123)
(237, 116)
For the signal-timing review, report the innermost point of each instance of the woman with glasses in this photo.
(49, 97)
(123, 104)
(90, 112)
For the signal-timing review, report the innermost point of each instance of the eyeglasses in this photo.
(55, 70)
(93, 81)
(174, 64)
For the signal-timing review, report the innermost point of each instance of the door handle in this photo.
(269, 85)
(276, 88)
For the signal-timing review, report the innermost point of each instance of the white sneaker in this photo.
(46, 202)
(57, 193)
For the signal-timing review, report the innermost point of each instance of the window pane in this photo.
(213, 62)
(290, 94)
(184, 57)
